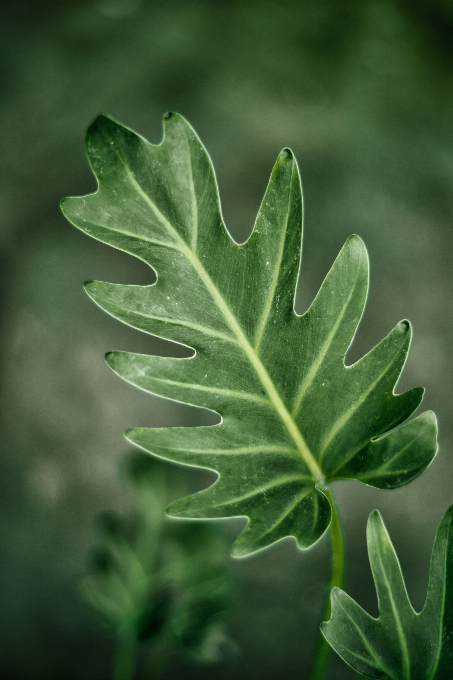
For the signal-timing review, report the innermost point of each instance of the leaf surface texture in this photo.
(293, 416)
(400, 644)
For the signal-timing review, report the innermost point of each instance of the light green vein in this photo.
(388, 462)
(366, 443)
(187, 324)
(263, 375)
(369, 649)
(259, 490)
(432, 674)
(136, 237)
(277, 268)
(316, 511)
(399, 628)
(212, 390)
(193, 197)
(341, 422)
(382, 467)
(288, 510)
(377, 474)
(240, 450)
(322, 354)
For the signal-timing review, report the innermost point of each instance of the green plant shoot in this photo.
(400, 644)
(155, 581)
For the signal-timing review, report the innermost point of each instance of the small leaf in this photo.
(293, 416)
(150, 577)
(400, 644)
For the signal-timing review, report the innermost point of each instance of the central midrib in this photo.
(442, 614)
(263, 375)
(399, 629)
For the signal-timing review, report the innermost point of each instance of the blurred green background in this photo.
(362, 92)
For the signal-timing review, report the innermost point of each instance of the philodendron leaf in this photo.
(151, 578)
(293, 416)
(400, 644)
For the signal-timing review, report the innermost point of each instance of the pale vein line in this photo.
(271, 294)
(370, 650)
(188, 324)
(362, 445)
(374, 475)
(194, 199)
(288, 510)
(259, 490)
(241, 450)
(398, 453)
(401, 636)
(316, 512)
(341, 422)
(124, 232)
(432, 674)
(263, 375)
(321, 356)
(214, 390)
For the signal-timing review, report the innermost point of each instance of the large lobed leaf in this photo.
(293, 416)
(400, 644)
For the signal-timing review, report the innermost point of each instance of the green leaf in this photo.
(151, 578)
(293, 416)
(400, 644)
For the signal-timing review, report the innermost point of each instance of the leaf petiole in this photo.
(323, 650)
(125, 658)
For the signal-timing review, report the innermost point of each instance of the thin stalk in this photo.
(158, 660)
(125, 659)
(323, 650)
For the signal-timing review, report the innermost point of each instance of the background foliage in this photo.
(363, 94)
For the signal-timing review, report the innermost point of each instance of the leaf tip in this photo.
(95, 127)
(404, 326)
(238, 553)
(178, 509)
(130, 434)
(448, 513)
(91, 288)
(375, 527)
(355, 243)
(356, 239)
(109, 358)
(286, 154)
(101, 120)
(374, 516)
(430, 417)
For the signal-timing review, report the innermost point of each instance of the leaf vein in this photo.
(321, 356)
(267, 309)
(263, 375)
(262, 490)
(341, 422)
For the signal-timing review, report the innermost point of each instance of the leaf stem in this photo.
(158, 660)
(125, 658)
(323, 650)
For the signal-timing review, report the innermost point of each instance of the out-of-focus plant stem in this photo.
(158, 660)
(125, 658)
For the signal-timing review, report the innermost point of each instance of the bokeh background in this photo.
(363, 93)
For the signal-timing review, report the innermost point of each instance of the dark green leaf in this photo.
(293, 416)
(400, 644)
